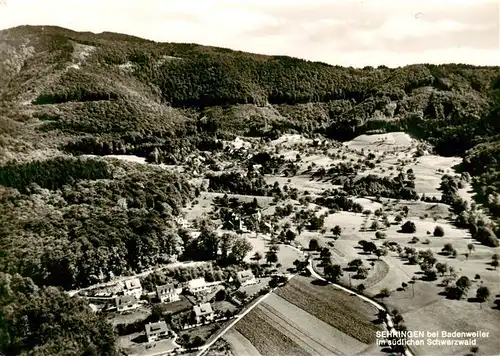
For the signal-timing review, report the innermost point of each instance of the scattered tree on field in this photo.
(333, 272)
(313, 245)
(271, 257)
(380, 252)
(355, 264)
(495, 263)
(336, 230)
(438, 231)
(325, 255)
(447, 249)
(408, 227)
(257, 256)
(362, 272)
(384, 293)
(482, 294)
(441, 268)
(361, 288)
(290, 235)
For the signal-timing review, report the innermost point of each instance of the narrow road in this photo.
(390, 324)
(205, 348)
(137, 275)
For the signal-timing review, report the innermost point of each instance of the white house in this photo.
(126, 302)
(133, 287)
(246, 277)
(203, 312)
(156, 331)
(198, 285)
(167, 293)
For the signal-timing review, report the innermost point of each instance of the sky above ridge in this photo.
(341, 32)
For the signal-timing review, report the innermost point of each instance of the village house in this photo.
(167, 293)
(203, 313)
(156, 331)
(126, 302)
(198, 285)
(233, 222)
(133, 287)
(246, 277)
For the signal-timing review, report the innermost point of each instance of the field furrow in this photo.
(303, 337)
(331, 338)
(267, 339)
(336, 308)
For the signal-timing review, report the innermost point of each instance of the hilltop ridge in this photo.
(112, 84)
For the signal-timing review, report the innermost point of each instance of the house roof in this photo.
(198, 282)
(157, 327)
(125, 299)
(165, 289)
(132, 283)
(203, 309)
(245, 274)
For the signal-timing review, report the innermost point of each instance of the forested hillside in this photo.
(118, 85)
(68, 222)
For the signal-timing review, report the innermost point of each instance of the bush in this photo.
(313, 245)
(408, 227)
(220, 295)
(438, 231)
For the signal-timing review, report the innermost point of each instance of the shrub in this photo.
(408, 227)
(313, 245)
(438, 231)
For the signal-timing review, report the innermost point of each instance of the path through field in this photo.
(375, 304)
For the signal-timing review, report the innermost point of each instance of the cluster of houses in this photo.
(167, 293)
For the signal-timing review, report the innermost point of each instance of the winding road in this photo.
(389, 322)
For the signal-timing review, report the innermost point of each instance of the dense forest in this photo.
(45, 322)
(156, 90)
(72, 234)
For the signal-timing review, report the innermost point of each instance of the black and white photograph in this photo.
(249, 178)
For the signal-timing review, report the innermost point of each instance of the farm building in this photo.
(197, 285)
(126, 302)
(167, 293)
(156, 331)
(133, 287)
(246, 277)
(203, 313)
